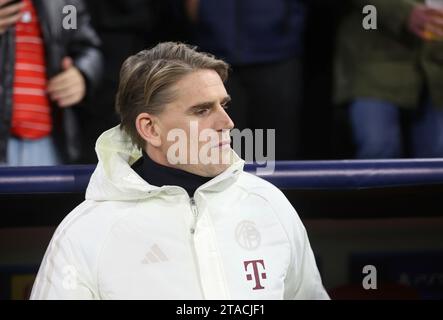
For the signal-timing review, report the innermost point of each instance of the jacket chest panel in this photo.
(148, 257)
(242, 251)
(237, 251)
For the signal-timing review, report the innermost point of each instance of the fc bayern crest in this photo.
(247, 235)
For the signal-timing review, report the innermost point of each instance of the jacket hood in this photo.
(114, 179)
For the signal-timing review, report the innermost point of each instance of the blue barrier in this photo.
(341, 174)
(56, 179)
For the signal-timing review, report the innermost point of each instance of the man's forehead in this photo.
(200, 87)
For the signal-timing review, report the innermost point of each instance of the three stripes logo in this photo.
(154, 255)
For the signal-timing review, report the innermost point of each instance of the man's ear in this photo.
(148, 129)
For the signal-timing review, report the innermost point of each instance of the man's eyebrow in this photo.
(226, 99)
(209, 104)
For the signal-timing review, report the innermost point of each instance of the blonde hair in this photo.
(146, 79)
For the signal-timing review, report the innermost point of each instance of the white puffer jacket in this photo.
(237, 238)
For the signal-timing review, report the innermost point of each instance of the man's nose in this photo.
(224, 121)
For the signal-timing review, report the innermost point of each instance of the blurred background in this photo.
(331, 87)
(330, 84)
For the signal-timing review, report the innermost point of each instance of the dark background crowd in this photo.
(309, 69)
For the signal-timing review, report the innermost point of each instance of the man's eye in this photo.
(225, 106)
(202, 112)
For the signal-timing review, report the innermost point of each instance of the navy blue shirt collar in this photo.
(160, 175)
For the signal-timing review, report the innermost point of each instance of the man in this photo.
(392, 78)
(47, 67)
(154, 228)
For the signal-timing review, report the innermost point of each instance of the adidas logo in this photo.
(154, 255)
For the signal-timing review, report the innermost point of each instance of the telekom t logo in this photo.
(257, 275)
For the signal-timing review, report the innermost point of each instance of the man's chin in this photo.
(209, 167)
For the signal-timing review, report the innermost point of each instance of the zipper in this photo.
(194, 210)
(194, 213)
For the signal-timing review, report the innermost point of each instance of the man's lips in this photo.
(223, 143)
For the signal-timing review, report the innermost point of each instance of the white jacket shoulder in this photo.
(276, 198)
(69, 268)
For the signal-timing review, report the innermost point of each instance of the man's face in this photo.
(199, 109)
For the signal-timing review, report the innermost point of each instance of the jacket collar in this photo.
(114, 179)
(160, 175)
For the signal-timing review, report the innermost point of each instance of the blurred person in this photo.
(46, 72)
(262, 41)
(151, 228)
(391, 79)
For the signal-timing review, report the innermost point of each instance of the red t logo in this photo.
(257, 275)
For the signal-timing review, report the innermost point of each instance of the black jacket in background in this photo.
(81, 44)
